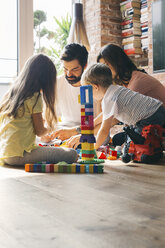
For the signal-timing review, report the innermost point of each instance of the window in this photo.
(8, 47)
(158, 25)
(16, 43)
(51, 28)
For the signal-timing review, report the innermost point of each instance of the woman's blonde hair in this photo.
(38, 75)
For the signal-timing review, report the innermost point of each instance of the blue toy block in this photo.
(87, 138)
(88, 113)
(37, 168)
(95, 168)
(87, 168)
(89, 105)
(86, 94)
(77, 168)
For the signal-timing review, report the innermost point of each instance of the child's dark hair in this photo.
(38, 74)
(98, 74)
(122, 64)
(75, 51)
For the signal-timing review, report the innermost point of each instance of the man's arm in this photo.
(64, 134)
(103, 132)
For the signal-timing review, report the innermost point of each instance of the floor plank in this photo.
(124, 207)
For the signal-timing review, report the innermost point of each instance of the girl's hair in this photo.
(38, 74)
(98, 74)
(122, 64)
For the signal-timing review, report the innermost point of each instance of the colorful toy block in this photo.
(113, 153)
(101, 155)
(85, 127)
(64, 168)
(88, 151)
(87, 146)
(87, 120)
(112, 157)
(86, 95)
(87, 131)
(87, 138)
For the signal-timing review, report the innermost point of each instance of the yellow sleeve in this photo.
(34, 104)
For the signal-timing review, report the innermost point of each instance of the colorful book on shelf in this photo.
(131, 39)
(131, 31)
(144, 5)
(134, 43)
(129, 4)
(126, 22)
(144, 10)
(144, 48)
(144, 24)
(144, 29)
(132, 18)
(128, 1)
(144, 33)
(144, 36)
(130, 12)
(131, 45)
(143, 1)
(145, 41)
(131, 25)
(133, 51)
(144, 18)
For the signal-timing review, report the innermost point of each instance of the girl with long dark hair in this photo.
(21, 118)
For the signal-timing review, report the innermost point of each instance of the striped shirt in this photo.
(128, 106)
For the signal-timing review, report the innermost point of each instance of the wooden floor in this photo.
(123, 208)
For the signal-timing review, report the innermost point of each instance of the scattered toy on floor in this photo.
(144, 148)
(63, 167)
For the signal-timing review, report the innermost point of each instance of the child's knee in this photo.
(74, 155)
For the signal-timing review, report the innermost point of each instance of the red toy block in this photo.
(85, 127)
(87, 120)
(87, 155)
(113, 153)
(102, 156)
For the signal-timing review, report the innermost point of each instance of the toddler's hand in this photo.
(74, 141)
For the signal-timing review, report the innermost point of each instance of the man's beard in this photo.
(73, 80)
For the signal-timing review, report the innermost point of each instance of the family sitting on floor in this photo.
(36, 100)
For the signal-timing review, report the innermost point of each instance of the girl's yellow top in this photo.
(17, 134)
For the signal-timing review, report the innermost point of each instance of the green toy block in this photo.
(88, 151)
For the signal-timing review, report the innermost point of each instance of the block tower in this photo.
(87, 139)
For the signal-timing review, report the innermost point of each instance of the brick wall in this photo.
(110, 22)
(102, 20)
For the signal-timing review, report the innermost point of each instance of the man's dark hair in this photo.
(75, 51)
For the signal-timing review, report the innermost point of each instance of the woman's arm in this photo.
(38, 123)
(103, 132)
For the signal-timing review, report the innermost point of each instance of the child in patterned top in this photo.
(127, 106)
